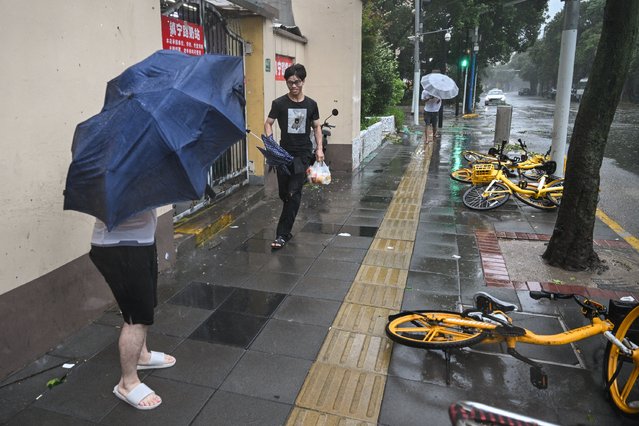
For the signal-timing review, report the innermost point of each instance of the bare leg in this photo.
(132, 340)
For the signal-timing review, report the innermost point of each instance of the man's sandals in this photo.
(279, 242)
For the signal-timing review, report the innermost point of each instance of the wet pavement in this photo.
(296, 336)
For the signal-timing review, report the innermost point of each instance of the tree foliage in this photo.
(540, 63)
(503, 29)
(381, 85)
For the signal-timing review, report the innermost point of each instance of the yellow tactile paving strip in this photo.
(346, 383)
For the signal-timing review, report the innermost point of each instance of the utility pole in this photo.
(473, 65)
(564, 84)
(416, 69)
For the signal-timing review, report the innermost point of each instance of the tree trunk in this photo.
(571, 245)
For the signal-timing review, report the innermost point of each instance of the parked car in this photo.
(524, 91)
(495, 97)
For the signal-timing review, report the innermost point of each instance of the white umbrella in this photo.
(440, 85)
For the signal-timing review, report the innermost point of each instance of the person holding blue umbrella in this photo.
(165, 120)
(296, 115)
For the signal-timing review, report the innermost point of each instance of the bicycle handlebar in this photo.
(549, 295)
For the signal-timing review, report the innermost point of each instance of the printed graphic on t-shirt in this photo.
(296, 120)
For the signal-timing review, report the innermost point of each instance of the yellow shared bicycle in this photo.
(488, 322)
(527, 165)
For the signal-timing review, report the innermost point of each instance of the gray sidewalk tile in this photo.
(345, 254)
(434, 237)
(181, 402)
(334, 269)
(434, 250)
(20, 387)
(86, 342)
(273, 377)
(432, 282)
(221, 275)
(201, 363)
(437, 265)
(202, 295)
(176, 320)
(288, 264)
(351, 241)
(37, 416)
(229, 328)
(410, 403)
(232, 409)
(291, 339)
(276, 282)
(416, 300)
(86, 394)
(251, 261)
(471, 269)
(308, 310)
(321, 288)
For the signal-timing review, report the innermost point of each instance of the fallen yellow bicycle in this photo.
(488, 322)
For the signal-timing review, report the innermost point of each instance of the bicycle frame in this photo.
(597, 326)
(542, 187)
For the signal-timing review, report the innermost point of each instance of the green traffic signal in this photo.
(464, 62)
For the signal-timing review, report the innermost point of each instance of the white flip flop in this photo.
(156, 362)
(134, 397)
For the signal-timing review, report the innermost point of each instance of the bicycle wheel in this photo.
(462, 175)
(541, 202)
(555, 197)
(428, 330)
(532, 175)
(472, 156)
(624, 390)
(477, 198)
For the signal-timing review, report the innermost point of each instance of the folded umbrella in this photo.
(275, 155)
(164, 122)
(440, 85)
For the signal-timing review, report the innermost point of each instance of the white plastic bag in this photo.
(319, 173)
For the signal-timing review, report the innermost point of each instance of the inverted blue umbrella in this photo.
(164, 122)
(275, 155)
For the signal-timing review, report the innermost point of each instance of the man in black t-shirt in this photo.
(296, 115)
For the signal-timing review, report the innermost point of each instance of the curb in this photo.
(204, 225)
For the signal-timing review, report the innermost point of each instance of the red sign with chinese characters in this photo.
(281, 63)
(182, 36)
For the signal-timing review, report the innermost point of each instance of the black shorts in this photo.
(132, 275)
(431, 118)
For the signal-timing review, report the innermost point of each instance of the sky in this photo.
(554, 7)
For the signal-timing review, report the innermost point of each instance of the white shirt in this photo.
(138, 230)
(431, 105)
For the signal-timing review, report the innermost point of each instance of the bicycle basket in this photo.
(482, 173)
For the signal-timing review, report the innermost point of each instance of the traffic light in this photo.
(464, 62)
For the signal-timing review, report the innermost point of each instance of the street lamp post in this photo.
(445, 72)
(416, 71)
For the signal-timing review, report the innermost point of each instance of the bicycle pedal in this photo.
(538, 378)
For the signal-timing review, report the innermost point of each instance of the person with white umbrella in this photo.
(431, 111)
(436, 87)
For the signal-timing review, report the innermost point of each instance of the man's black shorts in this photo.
(431, 118)
(132, 275)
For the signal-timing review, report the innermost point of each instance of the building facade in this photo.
(61, 59)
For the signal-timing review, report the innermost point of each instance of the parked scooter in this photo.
(325, 133)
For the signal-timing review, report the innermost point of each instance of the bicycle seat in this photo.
(487, 303)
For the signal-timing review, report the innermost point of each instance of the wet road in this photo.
(532, 122)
